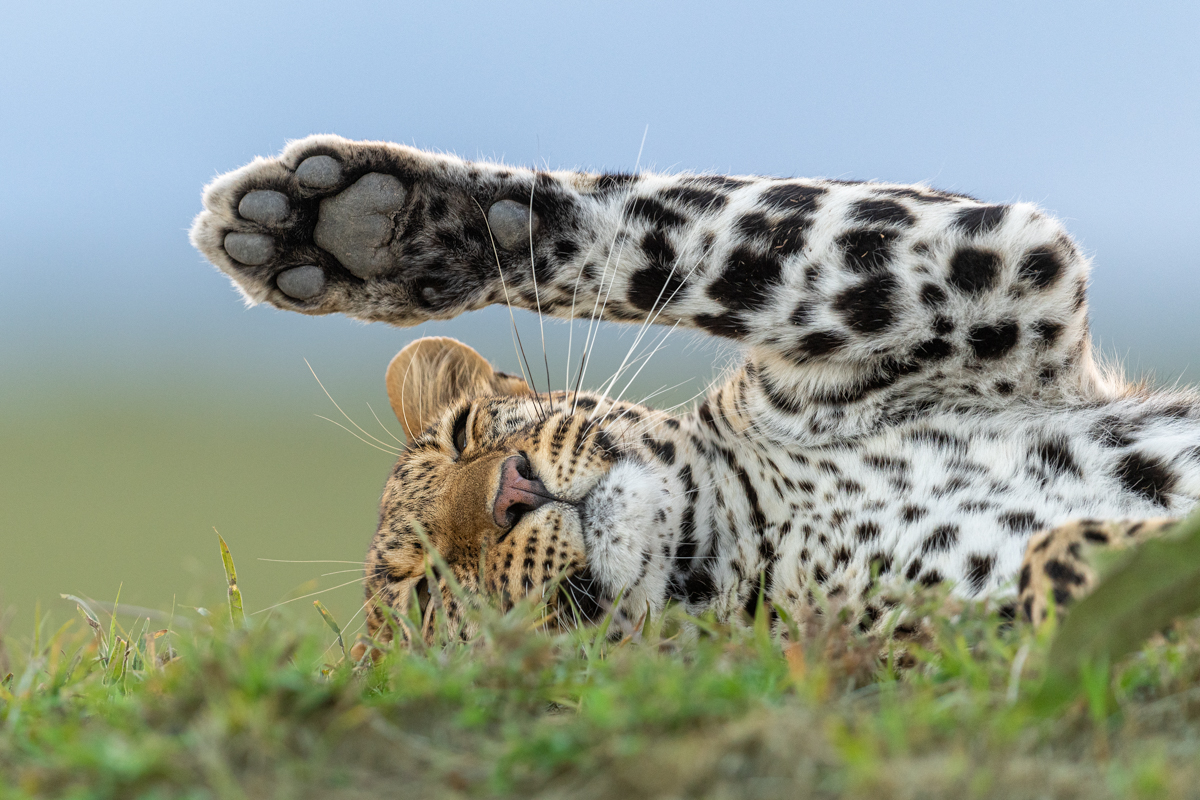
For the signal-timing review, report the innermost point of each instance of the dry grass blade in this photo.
(236, 613)
(332, 623)
(92, 620)
(151, 640)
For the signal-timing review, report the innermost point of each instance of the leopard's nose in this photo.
(520, 492)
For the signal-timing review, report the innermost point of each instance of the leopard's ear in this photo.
(431, 373)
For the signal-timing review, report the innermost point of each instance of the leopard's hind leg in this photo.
(1059, 563)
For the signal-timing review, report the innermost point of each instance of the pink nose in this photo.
(519, 493)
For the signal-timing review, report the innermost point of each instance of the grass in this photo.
(692, 708)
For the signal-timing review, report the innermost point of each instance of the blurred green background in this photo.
(117, 481)
(143, 405)
(126, 493)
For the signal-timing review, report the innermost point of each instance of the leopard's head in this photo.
(518, 493)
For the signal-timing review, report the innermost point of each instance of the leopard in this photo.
(918, 400)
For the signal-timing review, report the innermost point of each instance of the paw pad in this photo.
(356, 225)
(251, 249)
(264, 206)
(319, 172)
(510, 223)
(302, 283)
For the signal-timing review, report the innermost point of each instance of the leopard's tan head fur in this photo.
(503, 484)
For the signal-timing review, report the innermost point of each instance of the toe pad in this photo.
(267, 207)
(302, 283)
(251, 249)
(319, 172)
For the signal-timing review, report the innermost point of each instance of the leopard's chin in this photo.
(618, 521)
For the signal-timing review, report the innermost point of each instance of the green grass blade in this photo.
(595, 649)
(235, 594)
(1159, 583)
(409, 625)
(436, 567)
(793, 628)
(762, 624)
(137, 643)
(112, 622)
(115, 672)
(38, 621)
(332, 623)
(412, 616)
(435, 606)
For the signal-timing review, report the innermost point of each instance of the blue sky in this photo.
(112, 117)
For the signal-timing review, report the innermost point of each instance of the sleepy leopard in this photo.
(918, 402)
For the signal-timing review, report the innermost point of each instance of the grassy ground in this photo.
(691, 708)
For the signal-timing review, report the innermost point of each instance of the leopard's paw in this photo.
(1059, 563)
(318, 229)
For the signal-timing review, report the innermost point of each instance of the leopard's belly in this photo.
(947, 496)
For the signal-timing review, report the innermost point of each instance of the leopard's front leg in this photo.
(845, 293)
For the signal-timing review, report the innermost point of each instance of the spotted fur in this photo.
(918, 397)
(1058, 566)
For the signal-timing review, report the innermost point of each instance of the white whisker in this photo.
(536, 297)
(301, 597)
(588, 336)
(522, 361)
(650, 317)
(647, 361)
(385, 428)
(654, 422)
(339, 408)
(639, 361)
(643, 401)
(598, 314)
(403, 406)
(314, 561)
(571, 317)
(655, 312)
(347, 634)
(356, 436)
(658, 391)
(589, 340)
